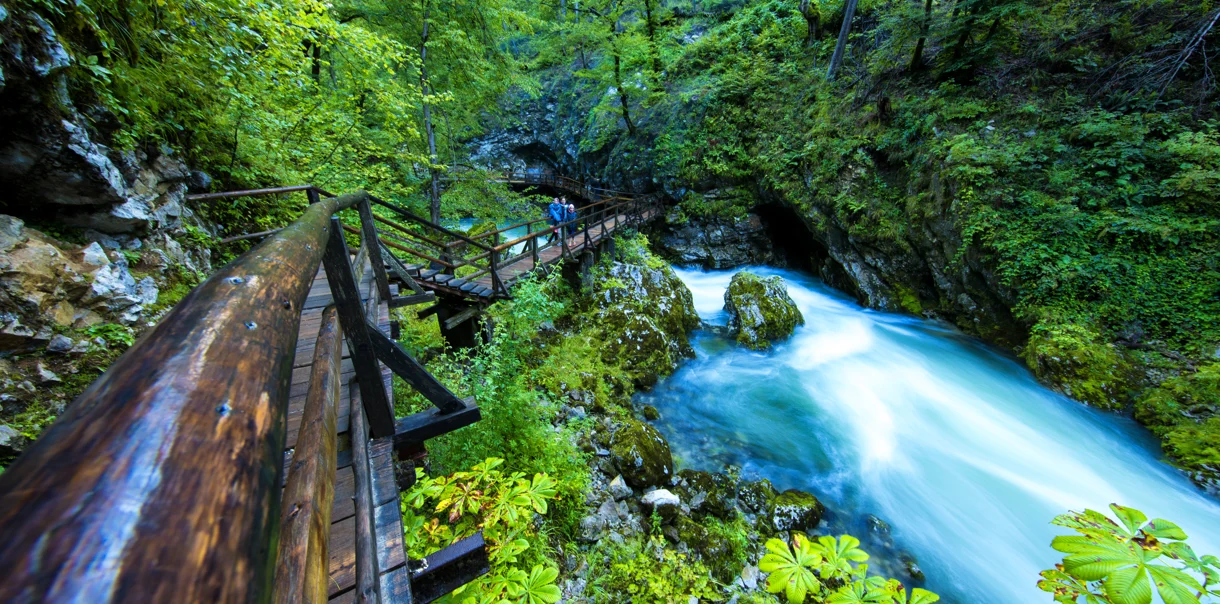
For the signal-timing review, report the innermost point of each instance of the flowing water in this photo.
(949, 441)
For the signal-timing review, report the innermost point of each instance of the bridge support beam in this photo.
(465, 334)
(578, 271)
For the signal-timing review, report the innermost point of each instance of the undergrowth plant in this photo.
(1120, 562)
(645, 571)
(833, 570)
(438, 512)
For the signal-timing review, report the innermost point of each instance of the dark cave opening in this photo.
(798, 247)
(792, 239)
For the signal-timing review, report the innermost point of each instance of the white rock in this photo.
(46, 376)
(749, 577)
(94, 255)
(113, 287)
(660, 497)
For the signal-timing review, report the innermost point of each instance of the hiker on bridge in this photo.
(555, 215)
(569, 216)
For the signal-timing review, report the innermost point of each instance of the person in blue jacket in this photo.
(555, 213)
(570, 217)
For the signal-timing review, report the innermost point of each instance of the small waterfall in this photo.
(951, 442)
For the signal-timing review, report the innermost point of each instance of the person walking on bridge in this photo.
(555, 214)
(569, 216)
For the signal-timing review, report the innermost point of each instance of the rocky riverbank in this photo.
(640, 501)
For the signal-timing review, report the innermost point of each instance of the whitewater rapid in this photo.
(952, 443)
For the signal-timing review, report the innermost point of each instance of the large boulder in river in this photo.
(760, 310)
(645, 312)
(642, 455)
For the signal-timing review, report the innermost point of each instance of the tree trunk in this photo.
(622, 93)
(317, 63)
(652, 37)
(813, 22)
(917, 59)
(434, 192)
(848, 13)
(618, 77)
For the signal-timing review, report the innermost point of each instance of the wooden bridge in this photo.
(246, 448)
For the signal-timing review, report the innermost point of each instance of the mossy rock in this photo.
(642, 455)
(650, 413)
(1077, 360)
(1185, 398)
(713, 548)
(760, 310)
(644, 314)
(706, 493)
(635, 342)
(756, 496)
(796, 511)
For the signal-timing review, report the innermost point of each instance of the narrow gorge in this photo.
(740, 301)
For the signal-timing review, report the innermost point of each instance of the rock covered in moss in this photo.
(642, 455)
(645, 313)
(1078, 360)
(796, 511)
(712, 547)
(756, 496)
(707, 493)
(760, 310)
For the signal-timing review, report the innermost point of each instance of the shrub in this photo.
(1108, 562)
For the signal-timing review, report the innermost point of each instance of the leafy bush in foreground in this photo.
(1117, 563)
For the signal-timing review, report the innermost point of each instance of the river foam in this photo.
(951, 442)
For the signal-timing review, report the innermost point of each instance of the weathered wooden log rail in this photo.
(243, 449)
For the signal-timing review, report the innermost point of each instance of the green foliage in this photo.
(1182, 412)
(1090, 369)
(1109, 562)
(633, 249)
(832, 568)
(114, 335)
(502, 376)
(647, 572)
(440, 511)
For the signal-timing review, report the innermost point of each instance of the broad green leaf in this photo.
(1164, 529)
(1128, 586)
(1174, 586)
(791, 568)
(1132, 518)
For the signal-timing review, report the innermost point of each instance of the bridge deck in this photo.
(515, 267)
(391, 556)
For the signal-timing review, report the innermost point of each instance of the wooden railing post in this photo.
(346, 293)
(495, 275)
(368, 230)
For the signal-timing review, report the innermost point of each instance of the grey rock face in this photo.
(717, 243)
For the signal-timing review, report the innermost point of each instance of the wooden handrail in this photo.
(162, 481)
(408, 215)
(527, 237)
(302, 569)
